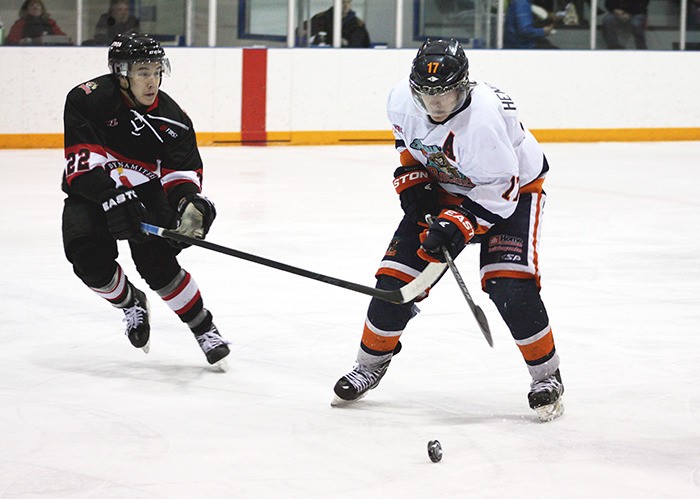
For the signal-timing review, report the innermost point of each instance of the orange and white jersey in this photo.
(481, 153)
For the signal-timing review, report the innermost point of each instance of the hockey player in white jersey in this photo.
(468, 161)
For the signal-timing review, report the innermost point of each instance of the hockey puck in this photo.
(435, 451)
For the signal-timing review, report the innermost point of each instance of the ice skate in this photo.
(355, 385)
(214, 347)
(138, 329)
(545, 397)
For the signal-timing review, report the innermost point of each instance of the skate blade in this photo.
(221, 365)
(338, 402)
(549, 412)
(147, 347)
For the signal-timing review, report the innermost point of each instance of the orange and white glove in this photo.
(453, 228)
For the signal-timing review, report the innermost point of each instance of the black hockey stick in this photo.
(476, 309)
(404, 294)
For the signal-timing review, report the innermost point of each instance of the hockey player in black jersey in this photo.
(131, 157)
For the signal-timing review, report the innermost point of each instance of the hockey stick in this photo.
(476, 309)
(404, 294)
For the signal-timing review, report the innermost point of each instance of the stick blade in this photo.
(484, 325)
(420, 284)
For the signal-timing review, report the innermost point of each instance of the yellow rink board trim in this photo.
(311, 138)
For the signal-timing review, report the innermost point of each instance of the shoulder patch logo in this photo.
(88, 87)
(168, 130)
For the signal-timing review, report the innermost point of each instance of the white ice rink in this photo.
(85, 415)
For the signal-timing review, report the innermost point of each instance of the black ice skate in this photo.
(138, 329)
(545, 397)
(355, 384)
(214, 347)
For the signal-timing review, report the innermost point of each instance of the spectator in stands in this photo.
(625, 14)
(353, 31)
(521, 30)
(117, 20)
(34, 22)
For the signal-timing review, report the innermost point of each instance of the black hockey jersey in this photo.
(147, 149)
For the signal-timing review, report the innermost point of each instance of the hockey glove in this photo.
(451, 229)
(124, 212)
(417, 193)
(196, 214)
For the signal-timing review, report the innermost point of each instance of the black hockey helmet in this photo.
(440, 67)
(129, 48)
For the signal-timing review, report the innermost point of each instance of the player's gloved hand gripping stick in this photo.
(404, 294)
(476, 309)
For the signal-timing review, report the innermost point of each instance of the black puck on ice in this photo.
(435, 451)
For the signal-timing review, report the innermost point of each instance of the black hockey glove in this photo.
(196, 214)
(417, 192)
(124, 212)
(452, 229)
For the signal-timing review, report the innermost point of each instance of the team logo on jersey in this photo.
(88, 87)
(440, 166)
(391, 250)
(511, 247)
(139, 122)
(120, 166)
(137, 128)
(439, 160)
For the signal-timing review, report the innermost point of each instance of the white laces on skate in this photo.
(209, 340)
(355, 384)
(361, 378)
(551, 384)
(133, 316)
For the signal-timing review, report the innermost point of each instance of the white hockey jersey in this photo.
(482, 152)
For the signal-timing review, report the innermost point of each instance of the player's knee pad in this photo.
(94, 260)
(386, 315)
(160, 272)
(156, 261)
(519, 303)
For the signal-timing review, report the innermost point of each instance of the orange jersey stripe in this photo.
(406, 159)
(534, 186)
(535, 231)
(402, 276)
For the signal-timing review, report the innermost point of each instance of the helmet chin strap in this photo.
(131, 94)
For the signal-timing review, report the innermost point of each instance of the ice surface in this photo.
(84, 414)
